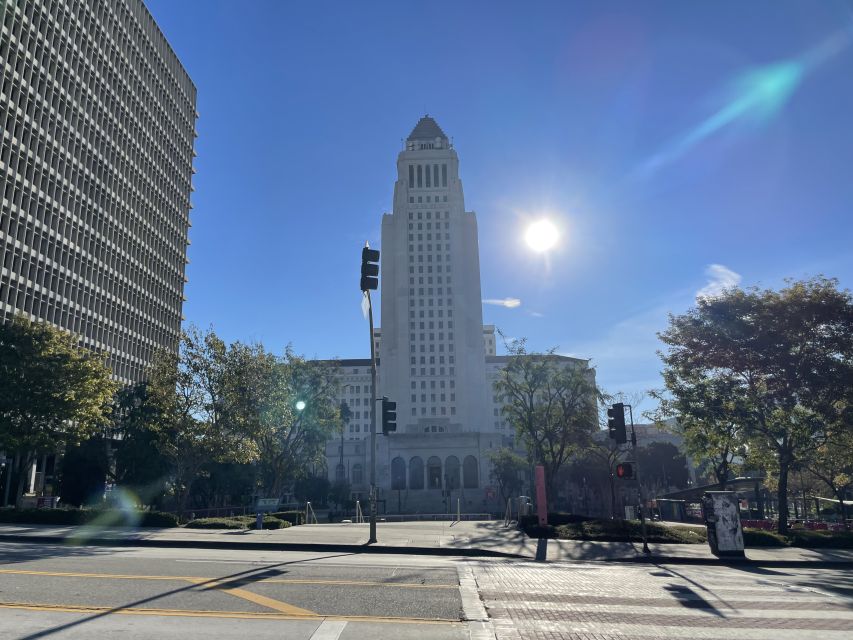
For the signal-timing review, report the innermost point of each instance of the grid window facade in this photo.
(98, 126)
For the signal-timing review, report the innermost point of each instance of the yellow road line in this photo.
(120, 576)
(360, 583)
(195, 613)
(111, 576)
(275, 605)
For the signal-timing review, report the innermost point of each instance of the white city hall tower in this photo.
(436, 359)
(432, 349)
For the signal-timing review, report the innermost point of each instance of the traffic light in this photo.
(624, 470)
(616, 423)
(369, 269)
(389, 416)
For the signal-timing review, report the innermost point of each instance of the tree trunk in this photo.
(782, 497)
(24, 464)
(722, 477)
(840, 495)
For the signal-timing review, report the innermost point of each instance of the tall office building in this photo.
(436, 358)
(98, 124)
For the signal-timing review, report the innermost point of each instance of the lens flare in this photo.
(755, 96)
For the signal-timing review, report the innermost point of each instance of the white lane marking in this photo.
(329, 630)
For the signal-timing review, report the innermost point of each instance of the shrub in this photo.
(99, 517)
(158, 519)
(762, 538)
(237, 522)
(215, 523)
(554, 519)
(275, 523)
(821, 539)
(618, 531)
(293, 517)
(537, 531)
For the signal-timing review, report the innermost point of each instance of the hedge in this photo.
(763, 538)
(101, 517)
(215, 523)
(821, 539)
(554, 519)
(236, 522)
(293, 517)
(629, 531)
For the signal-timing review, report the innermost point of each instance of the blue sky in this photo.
(677, 145)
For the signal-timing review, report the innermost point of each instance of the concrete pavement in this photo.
(467, 538)
(99, 593)
(593, 601)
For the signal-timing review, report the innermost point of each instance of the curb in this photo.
(261, 546)
(426, 551)
(721, 562)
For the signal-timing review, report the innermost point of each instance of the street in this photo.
(84, 592)
(58, 591)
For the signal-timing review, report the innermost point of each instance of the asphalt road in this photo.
(51, 591)
(65, 592)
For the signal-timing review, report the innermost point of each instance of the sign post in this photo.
(261, 507)
(541, 512)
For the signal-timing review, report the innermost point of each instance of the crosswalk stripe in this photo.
(718, 612)
(604, 631)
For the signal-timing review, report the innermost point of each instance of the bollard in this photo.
(259, 522)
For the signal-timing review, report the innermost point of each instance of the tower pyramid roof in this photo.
(426, 129)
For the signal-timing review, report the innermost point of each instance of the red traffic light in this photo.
(624, 470)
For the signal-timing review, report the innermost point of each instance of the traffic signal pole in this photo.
(372, 538)
(639, 484)
(370, 282)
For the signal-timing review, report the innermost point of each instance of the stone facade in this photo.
(436, 358)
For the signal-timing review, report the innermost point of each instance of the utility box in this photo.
(720, 510)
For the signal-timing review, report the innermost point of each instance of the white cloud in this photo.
(509, 303)
(720, 277)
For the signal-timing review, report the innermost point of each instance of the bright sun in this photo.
(541, 236)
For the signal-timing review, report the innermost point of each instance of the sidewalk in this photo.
(477, 539)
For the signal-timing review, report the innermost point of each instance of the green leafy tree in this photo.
(314, 489)
(710, 413)
(83, 472)
(140, 467)
(190, 392)
(832, 463)
(224, 484)
(788, 355)
(605, 455)
(663, 466)
(291, 441)
(54, 393)
(551, 402)
(340, 495)
(506, 472)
